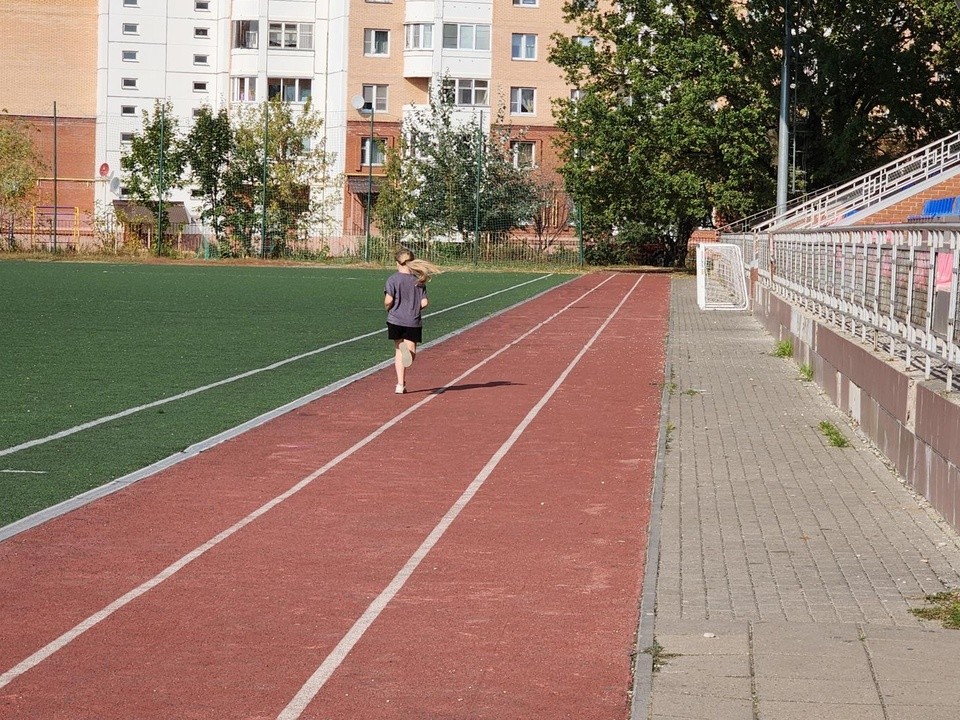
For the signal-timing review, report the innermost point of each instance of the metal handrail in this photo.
(897, 285)
(832, 206)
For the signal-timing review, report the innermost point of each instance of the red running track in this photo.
(475, 553)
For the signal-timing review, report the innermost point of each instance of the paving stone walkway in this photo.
(787, 567)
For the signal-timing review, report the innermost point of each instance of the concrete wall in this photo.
(913, 422)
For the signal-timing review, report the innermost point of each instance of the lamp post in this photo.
(783, 154)
(361, 105)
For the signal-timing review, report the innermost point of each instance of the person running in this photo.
(404, 297)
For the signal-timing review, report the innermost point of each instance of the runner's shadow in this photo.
(469, 386)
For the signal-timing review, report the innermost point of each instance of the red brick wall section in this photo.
(76, 171)
(913, 205)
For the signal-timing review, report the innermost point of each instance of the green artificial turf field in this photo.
(83, 341)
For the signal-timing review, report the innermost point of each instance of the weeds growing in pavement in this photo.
(944, 607)
(833, 435)
(783, 349)
(806, 372)
(659, 656)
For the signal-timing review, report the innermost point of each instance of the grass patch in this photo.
(660, 657)
(692, 391)
(82, 341)
(833, 435)
(783, 349)
(670, 428)
(806, 372)
(943, 607)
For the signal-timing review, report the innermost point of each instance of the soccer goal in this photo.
(721, 284)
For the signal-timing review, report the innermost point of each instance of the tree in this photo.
(207, 152)
(448, 178)
(666, 129)
(154, 163)
(20, 166)
(870, 80)
(275, 156)
(551, 214)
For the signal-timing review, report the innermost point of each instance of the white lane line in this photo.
(241, 376)
(25, 472)
(75, 632)
(319, 678)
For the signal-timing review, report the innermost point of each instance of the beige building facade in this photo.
(49, 65)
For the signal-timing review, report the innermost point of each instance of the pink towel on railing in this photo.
(944, 271)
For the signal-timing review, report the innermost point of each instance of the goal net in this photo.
(721, 284)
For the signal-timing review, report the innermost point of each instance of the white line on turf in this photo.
(66, 638)
(25, 472)
(319, 678)
(241, 376)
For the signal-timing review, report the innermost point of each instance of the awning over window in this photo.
(358, 184)
(135, 214)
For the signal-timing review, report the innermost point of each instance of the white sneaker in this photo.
(401, 389)
(405, 355)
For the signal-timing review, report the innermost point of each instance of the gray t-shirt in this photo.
(407, 294)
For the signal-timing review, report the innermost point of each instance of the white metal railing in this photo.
(868, 190)
(894, 286)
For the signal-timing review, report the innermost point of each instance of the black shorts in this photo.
(401, 332)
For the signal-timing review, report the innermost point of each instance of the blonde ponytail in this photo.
(422, 269)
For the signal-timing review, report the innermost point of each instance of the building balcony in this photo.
(417, 63)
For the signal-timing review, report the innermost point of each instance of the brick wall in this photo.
(913, 205)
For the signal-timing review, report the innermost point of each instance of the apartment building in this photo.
(494, 52)
(232, 52)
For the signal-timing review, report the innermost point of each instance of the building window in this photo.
(201, 5)
(246, 34)
(377, 94)
(576, 94)
(128, 110)
(292, 90)
(526, 3)
(131, 3)
(379, 152)
(419, 36)
(470, 92)
(291, 36)
(584, 40)
(129, 55)
(466, 37)
(201, 59)
(199, 86)
(523, 153)
(197, 112)
(524, 47)
(128, 83)
(131, 28)
(376, 42)
(522, 101)
(244, 89)
(201, 32)
(126, 138)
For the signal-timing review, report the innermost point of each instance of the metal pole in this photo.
(373, 111)
(783, 156)
(56, 197)
(476, 218)
(263, 195)
(580, 231)
(160, 182)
